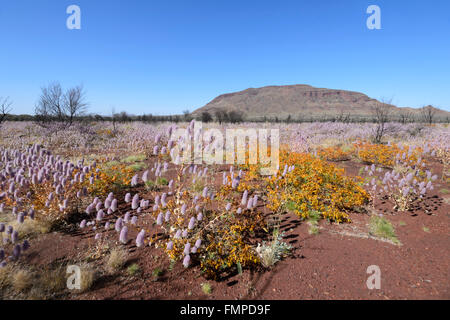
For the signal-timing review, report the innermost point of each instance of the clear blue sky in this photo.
(163, 57)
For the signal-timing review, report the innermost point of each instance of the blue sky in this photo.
(163, 57)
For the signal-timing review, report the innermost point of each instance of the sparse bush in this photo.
(134, 269)
(206, 288)
(116, 259)
(382, 228)
(274, 251)
(22, 279)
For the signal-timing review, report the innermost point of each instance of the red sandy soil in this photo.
(329, 265)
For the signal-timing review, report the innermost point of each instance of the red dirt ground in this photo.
(329, 265)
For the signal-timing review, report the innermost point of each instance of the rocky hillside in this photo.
(300, 101)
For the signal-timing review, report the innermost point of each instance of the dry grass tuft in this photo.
(116, 260)
(22, 279)
(30, 228)
(88, 277)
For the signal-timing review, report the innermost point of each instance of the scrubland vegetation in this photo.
(117, 186)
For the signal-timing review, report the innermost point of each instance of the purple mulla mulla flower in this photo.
(155, 208)
(405, 191)
(171, 184)
(250, 204)
(2, 254)
(184, 234)
(157, 198)
(126, 218)
(194, 249)
(83, 224)
(107, 224)
(2, 227)
(9, 230)
(186, 261)
(197, 208)
(118, 225)
(113, 205)
(135, 180)
(107, 203)
(100, 215)
(169, 245)
(205, 192)
(123, 237)
(191, 223)
(200, 216)
(177, 234)
(255, 201)
(183, 208)
(127, 197)
(16, 251)
(89, 209)
(187, 248)
(159, 220)
(244, 198)
(228, 206)
(140, 238)
(14, 236)
(155, 150)
(135, 202)
(20, 217)
(145, 176)
(198, 243)
(239, 210)
(98, 236)
(133, 220)
(98, 206)
(167, 216)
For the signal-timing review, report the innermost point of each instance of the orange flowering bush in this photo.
(110, 178)
(386, 155)
(333, 154)
(313, 185)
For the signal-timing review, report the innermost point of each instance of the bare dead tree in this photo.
(380, 111)
(74, 103)
(114, 120)
(187, 115)
(221, 115)
(428, 114)
(5, 109)
(405, 117)
(56, 106)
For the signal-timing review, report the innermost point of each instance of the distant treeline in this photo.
(235, 117)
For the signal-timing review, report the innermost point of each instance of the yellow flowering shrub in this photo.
(333, 154)
(385, 155)
(314, 186)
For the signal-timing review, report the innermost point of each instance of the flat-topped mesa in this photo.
(298, 101)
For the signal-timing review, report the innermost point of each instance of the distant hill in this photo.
(300, 102)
